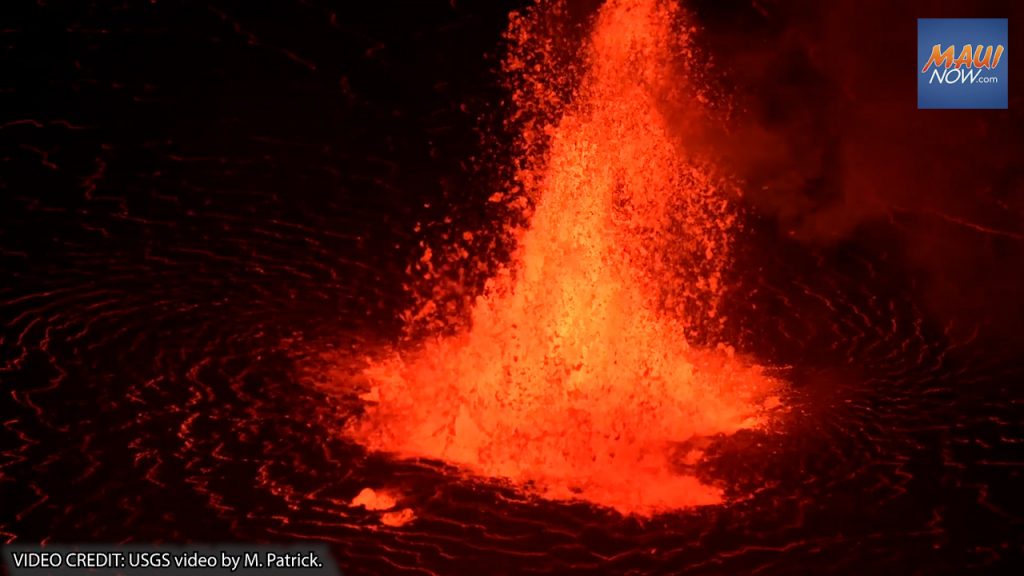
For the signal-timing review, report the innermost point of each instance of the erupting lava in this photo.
(576, 378)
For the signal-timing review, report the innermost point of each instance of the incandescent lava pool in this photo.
(619, 286)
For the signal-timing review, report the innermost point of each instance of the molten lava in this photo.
(576, 378)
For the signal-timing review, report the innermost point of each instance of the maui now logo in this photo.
(962, 63)
(959, 74)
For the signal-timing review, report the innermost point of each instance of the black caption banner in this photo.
(313, 559)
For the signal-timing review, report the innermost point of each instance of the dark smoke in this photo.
(832, 148)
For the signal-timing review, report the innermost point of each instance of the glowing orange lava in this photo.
(576, 378)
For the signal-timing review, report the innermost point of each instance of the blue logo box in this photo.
(962, 63)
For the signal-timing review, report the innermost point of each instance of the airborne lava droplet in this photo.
(576, 376)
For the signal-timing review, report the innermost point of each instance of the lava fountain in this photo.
(576, 377)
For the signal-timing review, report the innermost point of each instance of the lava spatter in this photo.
(576, 378)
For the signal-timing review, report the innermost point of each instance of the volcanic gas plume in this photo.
(575, 377)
